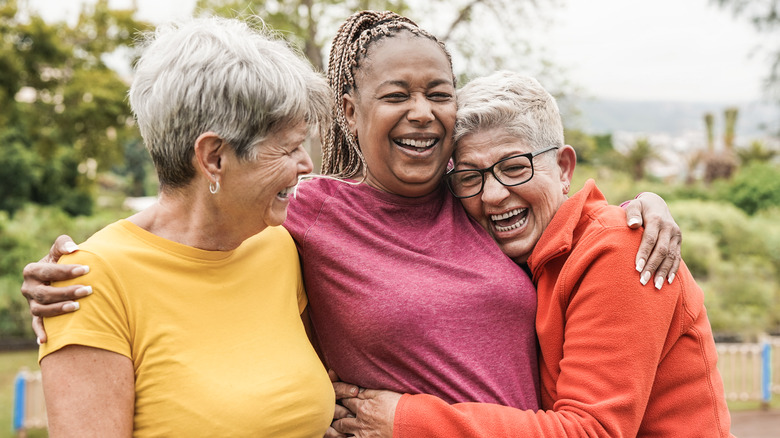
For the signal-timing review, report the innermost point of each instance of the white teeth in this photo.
(517, 224)
(417, 143)
(507, 215)
(286, 192)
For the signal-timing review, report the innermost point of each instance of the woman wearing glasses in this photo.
(616, 359)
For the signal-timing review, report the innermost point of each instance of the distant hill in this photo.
(673, 118)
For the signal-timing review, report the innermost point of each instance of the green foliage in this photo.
(755, 187)
(26, 237)
(735, 258)
(64, 111)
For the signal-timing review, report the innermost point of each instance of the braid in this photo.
(341, 153)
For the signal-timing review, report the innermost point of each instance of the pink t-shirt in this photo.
(410, 294)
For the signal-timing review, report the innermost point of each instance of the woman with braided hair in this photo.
(406, 292)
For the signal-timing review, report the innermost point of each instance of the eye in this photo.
(468, 179)
(440, 96)
(395, 97)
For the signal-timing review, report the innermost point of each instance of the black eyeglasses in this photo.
(509, 171)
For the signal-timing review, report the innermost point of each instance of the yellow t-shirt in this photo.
(215, 337)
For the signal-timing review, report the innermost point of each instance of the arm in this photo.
(89, 392)
(45, 300)
(607, 365)
(659, 253)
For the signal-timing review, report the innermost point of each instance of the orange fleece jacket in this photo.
(618, 359)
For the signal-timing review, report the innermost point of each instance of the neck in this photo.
(192, 220)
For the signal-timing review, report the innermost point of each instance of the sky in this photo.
(680, 50)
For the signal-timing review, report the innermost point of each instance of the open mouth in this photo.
(510, 220)
(284, 194)
(416, 145)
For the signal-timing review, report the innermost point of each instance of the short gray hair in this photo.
(511, 101)
(221, 75)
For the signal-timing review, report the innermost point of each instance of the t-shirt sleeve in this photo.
(101, 321)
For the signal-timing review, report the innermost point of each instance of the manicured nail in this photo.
(71, 247)
(80, 270)
(634, 221)
(83, 291)
(645, 278)
(659, 281)
(70, 307)
(671, 277)
(640, 265)
(38, 340)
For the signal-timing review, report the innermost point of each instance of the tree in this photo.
(470, 28)
(765, 17)
(639, 156)
(64, 110)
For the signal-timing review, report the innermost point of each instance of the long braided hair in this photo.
(341, 153)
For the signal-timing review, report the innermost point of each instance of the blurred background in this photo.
(678, 98)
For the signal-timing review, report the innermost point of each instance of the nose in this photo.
(493, 192)
(305, 164)
(421, 110)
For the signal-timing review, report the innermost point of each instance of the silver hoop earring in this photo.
(213, 188)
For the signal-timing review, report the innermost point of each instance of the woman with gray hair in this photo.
(196, 328)
(615, 359)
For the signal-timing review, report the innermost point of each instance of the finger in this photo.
(634, 213)
(49, 310)
(40, 331)
(676, 242)
(646, 247)
(333, 376)
(62, 245)
(353, 404)
(346, 425)
(341, 412)
(43, 294)
(663, 271)
(42, 273)
(333, 433)
(344, 390)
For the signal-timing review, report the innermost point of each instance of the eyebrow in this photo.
(433, 83)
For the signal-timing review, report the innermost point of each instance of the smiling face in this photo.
(261, 188)
(515, 216)
(403, 114)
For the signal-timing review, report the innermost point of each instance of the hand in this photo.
(375, 412)
(662, 236)
(342, 390)
(45, 300)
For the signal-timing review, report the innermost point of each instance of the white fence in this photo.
(750, 371)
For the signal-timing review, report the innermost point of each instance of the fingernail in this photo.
(80, 270)
(659, 281)
(645, 278)
(634, 221)
(83, 291)
(640, 265)
(354, 391)
(38, 340)
(70, 307)
(671, 277)
(71, 247)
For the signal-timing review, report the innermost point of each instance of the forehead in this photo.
(484, 147)
(403, 53)
(288, 135)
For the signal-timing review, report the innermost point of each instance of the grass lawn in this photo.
(10, 364)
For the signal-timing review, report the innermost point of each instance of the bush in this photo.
(755, 187)
(26, 237)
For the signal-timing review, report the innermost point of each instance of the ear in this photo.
(567, 161)
(348, 105)
(209, 148)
